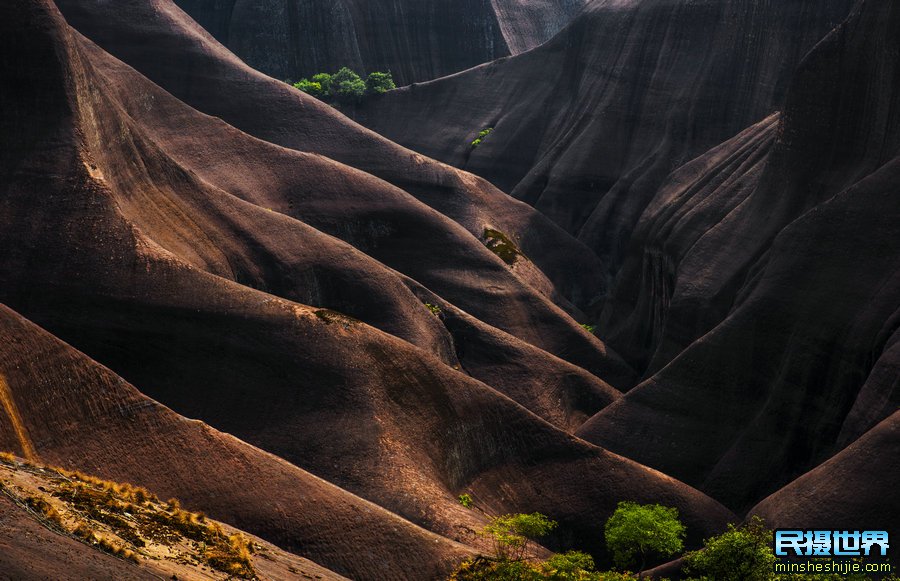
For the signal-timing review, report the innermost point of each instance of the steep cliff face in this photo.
(587, 126)
(415, 40)
(771, 342)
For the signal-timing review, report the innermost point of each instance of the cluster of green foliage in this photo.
(345, 86)
(510, 536)
(637, 532)
(738, 554)
(466, 500)
(379, 82)
(589, 328)
(482, 135)
(435, 309)
(634, 533)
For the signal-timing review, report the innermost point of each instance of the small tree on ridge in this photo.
(637, 532)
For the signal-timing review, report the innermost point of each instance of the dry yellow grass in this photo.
(124, 520)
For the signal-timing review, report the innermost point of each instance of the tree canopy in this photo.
(347, 86)
(738, 554)
(378, 82)
(637, 532)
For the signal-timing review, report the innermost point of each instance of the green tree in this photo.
(346, 86)
(739, 554)
(512, 533)
(378, 83)
(637, 532)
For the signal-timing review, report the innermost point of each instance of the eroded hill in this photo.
(364, 333)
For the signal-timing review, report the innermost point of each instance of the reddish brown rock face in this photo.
(280, 295)
(587, 126)
(364, 333)
(740, 286)
(780, 249)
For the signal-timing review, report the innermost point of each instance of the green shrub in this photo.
(637, 532)
(589, 328)
(310, 87)
(738, 554)
(486, 569)
(571, 566)
(378, 83)
(347, 86)
(466, 500)
(512, 533)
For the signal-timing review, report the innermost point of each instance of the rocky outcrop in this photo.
(416, 40)
(364, 333)
(771, 342)
(588, 126)
(749, 254)
(78, 415)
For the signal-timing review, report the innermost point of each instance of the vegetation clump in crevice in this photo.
(500, 244)
(435, 309)
(482, 135)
